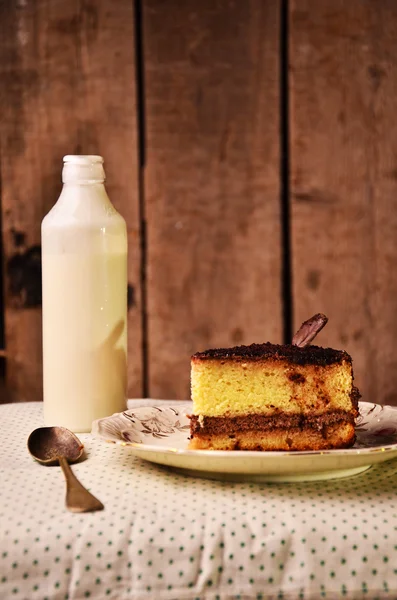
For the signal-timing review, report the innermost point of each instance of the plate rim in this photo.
(239, 453)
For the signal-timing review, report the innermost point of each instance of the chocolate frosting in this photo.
(308, 355)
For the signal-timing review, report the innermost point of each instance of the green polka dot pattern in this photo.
(167, 536)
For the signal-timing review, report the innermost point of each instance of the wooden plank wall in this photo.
(343, 58)
(244, 142)
(212, 190)
(66, 69)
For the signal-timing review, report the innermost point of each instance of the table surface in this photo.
(166, 536)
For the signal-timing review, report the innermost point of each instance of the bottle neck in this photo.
(83, 170)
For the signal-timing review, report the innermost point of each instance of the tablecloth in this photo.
(166, 536)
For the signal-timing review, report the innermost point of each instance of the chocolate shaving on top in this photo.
(308, 330)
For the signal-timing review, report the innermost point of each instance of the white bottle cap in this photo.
(83, 169)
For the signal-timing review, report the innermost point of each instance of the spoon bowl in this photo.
(52, 445)
(46, 444)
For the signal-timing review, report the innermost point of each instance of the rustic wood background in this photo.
(251, 146)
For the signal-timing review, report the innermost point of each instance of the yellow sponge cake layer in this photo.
(221, 388)
(332, 436)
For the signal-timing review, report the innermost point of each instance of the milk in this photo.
(84, 270)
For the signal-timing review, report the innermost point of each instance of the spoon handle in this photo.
(78, 498)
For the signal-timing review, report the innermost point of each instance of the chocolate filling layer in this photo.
(230, 425)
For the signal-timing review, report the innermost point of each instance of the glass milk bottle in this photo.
(84, 270)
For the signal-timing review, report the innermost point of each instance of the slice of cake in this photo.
(273, 397)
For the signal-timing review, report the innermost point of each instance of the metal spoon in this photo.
(52, 445)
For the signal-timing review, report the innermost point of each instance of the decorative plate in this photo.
(160, 435)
